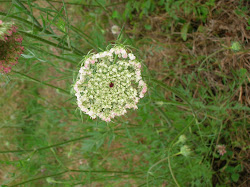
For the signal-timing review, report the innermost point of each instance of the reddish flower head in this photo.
(10, 46)
(221, 149)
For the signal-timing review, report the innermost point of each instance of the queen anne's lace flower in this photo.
(10, 46)
(109, 83)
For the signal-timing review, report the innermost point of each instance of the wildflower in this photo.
(185, 151)
(182, 139)
(109, 83)
(115, 29)
(221, 149)
(10, 46)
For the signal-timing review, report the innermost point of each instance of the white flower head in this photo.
(108, 84)
(115, 29)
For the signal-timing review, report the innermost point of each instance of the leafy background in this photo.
(198, 88)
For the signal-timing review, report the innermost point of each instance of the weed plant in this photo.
(191, 128)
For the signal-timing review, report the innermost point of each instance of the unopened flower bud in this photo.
(236, 46)
(185, 151)
(115, 29)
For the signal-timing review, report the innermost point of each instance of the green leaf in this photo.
(184, 31)
(230, 169)
(235, 177)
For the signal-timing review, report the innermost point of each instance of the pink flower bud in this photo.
(107, 119)
(144, 90)
(124, 55)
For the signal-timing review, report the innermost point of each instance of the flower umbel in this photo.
(221, 149)
(10, 46)
(109, 83)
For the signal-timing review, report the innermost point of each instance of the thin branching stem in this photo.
(73, 170)
(19, 3)
(53, 55)
(41, 82)
(47, 147)
(44, 41)
(68, 3)
(41, 29)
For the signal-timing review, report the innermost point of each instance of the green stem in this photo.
(76, 51)
(62, 143)
(67, 20)
(168, 157)
(72, 170)
(184, 99)
(116, 57)
(44, 83)
(85, 36)
(50, 54)
(28, 12)
(38, 178)
(103, 171)
(88, 5)
(171, 171)
(46, 147)
(164, 115)
(69, 3)
(18, 18)
(76, 30)
(160, 161)
(45, 41)
(170, 147)
(109, 12)
(209, 56)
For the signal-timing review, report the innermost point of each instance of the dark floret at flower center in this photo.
(111, 85)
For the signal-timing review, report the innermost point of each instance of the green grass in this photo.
(198, 88)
